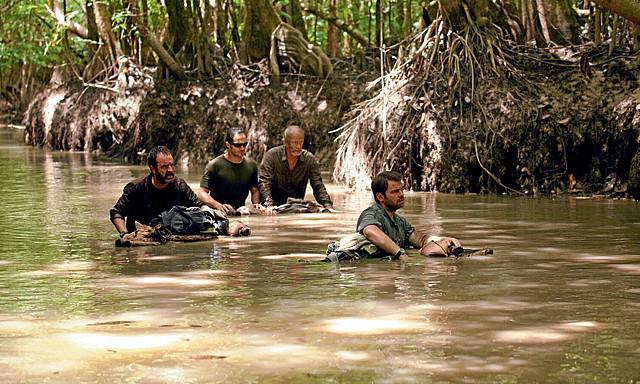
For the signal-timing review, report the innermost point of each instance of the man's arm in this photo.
(265, 177)
(255, 197)
(319, 190)
(206, 199)
(121, 209)
(435, 246)
(121, 225)
(380, 239)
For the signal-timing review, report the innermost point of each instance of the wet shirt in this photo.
(277, 182)
(229, 183)
(397, 228)
(141, 201)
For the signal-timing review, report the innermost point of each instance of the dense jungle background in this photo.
(506, 96)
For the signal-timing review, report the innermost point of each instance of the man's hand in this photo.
(271, 210)
(329, 208)
(440, 246)
(225, 208)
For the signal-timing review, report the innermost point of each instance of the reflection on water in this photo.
(557, 302)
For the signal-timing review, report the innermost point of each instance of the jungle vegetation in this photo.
(466, 67)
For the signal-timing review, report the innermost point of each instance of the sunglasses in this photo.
(239, 145)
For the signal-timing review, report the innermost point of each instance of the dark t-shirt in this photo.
(141, 201)
(230, 183)
(398, 229)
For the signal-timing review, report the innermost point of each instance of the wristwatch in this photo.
(123, 233)
(400, 252)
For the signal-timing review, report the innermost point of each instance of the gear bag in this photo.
(193, 220)
(353, 247)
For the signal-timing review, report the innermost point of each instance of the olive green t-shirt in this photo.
(230, 183)
(397, 228)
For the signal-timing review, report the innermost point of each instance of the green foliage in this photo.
(27, 36)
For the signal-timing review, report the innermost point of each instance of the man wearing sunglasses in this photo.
(286, 169)
(228, 178)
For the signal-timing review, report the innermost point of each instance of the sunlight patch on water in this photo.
(549, 334)
(524, 253)
(550, 250)
(161, 283)
(306, 256)
(602, 259)
(170, 280)
(629, 268)
(17, 327)
(72, 266)
(547, 266)
(264, 352)
(373, 326)
(124, 342)
(465, 363)
(353, 355)
(588, 283)
(64, 268)
(478, 306)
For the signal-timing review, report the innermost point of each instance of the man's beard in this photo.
(166, 178)
(394, 207)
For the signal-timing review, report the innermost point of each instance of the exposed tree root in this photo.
(469, 112)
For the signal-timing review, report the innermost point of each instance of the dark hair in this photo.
(380, 183)
(231, 132)
(153, 155)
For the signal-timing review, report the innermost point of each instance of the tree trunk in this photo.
(379, 23)
(562, 21)
(178, 24)
(260, 20)
(235, 34)
(92, 28)
(543, 20)
(294, 9)
(103, 22)
(165, 57)
(629, 9)
(357, 36)
(57, 10)
(332, 30)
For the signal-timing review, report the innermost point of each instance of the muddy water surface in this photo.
(558, 302)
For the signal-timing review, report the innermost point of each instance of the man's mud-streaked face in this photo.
(294, 142)
(394, 195)
(164, 170)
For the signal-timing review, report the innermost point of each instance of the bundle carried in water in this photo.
(183, 224)
(356, 246)
(294, 205)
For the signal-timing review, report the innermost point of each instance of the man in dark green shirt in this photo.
(230, 177)
(285, 171)
(389, 231)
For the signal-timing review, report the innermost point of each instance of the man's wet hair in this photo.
(152, 158)
(290, 129)
(380, 183)
(232, 132)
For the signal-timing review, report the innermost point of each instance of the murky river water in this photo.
(558, 302)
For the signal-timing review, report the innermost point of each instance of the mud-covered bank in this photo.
(190, 116)
(554, 128)
(566, 129)
(519, 120)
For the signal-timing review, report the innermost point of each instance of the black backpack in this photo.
(193, 220)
